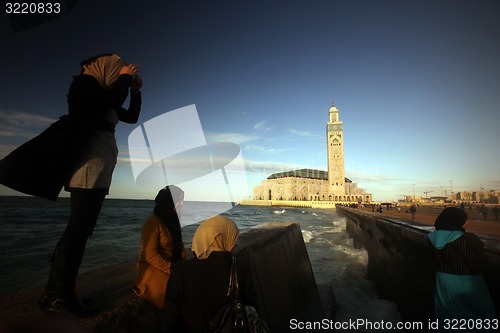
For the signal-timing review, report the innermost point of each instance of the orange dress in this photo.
(153, 265)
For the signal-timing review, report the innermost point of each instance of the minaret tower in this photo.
(335, 153)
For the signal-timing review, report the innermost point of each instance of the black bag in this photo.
(41, 166)
(234, 316)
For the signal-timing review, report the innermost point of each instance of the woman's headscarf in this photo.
(218, 233)
(104, 67)
(165, 209)
(451, 218)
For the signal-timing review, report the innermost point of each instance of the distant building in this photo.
(316, 185)
(489, 197)
(465, 196)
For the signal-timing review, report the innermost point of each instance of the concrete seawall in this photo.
(282, 274)
(400, 262)
(273, 253)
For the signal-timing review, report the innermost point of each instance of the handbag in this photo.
(234, 316)
(42, 165)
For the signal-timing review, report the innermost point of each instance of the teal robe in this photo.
(461, 292)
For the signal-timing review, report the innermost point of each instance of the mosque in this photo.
(316, 185)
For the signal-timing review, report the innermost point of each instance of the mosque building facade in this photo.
(316, 185)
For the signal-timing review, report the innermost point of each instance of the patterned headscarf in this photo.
(105, 68)
(451, 218)
(218, 233)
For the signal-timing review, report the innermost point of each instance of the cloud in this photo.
(260, 149)
(265, 168)
(261, 126)
(373, 177)
(17, 127)
(237, 138)
(303, 134)
(7, 132)
(231, 137)
(21, 124)
(23, 119)
(6, 149)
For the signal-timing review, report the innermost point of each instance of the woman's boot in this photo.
(59, 295)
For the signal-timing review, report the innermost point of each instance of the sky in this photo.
(417, 84)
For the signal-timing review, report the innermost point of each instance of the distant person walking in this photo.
(95, 100)
(484, 211)
(461, 292)
(413, 211)
(495, 210)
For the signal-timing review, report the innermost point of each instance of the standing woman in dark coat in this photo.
(95, 101)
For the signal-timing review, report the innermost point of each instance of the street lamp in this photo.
(451, 189)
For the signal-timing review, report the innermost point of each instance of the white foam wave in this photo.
(307, 235)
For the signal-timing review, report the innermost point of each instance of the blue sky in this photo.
(417, 83)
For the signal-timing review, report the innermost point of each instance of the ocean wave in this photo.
(307, 235)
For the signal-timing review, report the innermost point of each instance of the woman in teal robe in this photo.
(461, 292)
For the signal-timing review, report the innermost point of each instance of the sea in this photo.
(30, 228)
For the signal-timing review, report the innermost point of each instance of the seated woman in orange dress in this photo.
(161, 246)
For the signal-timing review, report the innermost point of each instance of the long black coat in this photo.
(41, 166)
